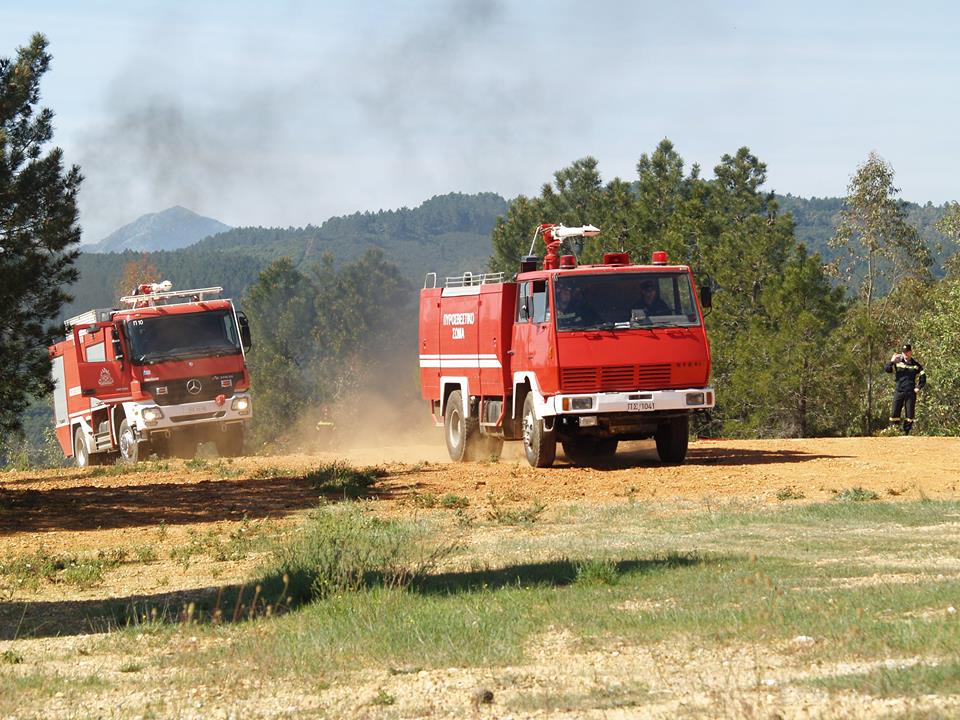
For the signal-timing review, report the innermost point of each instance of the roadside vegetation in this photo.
(802, 586)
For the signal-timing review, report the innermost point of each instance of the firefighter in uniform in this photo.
(910, 378)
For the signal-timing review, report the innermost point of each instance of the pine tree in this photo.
(39, 232)
(883, 248)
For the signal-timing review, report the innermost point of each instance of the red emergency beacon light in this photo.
(583, 356)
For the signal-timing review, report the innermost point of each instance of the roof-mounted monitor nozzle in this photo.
(553, 237)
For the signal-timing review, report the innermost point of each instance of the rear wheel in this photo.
(462, 433)
(230, 442)
(672, 438)
(129, 447)
(539, 444)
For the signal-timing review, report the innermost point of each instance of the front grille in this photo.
(617, 377)
(652, 376)
(612, 378)
(576, 380)
(177, 391)
(198, 416)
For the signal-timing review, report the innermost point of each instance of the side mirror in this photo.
(245, 338)
(706, 296)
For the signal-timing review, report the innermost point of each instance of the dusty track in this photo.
(81, 509)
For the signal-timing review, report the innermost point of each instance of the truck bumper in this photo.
(148, 417)
(637, 401)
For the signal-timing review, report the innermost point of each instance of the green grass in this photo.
(360, 600)
(22, 694)
(342, 479)
(238, 544)
(789, 493)
(29, 571)
(504, 515)
(919, 679)
(350, 590)
(857, 494)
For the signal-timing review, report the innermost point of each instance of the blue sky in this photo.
(290, 112)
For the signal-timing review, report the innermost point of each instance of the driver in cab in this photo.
(573, 309)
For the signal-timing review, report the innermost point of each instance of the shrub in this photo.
(342, 549)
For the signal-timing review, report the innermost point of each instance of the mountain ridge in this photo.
(171, 229)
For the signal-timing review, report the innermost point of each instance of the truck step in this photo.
(102, 440)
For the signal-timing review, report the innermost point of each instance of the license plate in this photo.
(639, 405)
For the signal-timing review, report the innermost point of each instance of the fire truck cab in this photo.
(160, 375)
(583, 355)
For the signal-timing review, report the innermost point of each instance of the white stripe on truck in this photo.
(459, 361)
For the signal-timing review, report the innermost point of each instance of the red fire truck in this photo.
(586, 355)
(160, 375)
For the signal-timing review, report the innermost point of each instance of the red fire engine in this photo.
(585, 355)
(160, 375)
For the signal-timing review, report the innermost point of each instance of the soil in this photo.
(165, 506)
(71, 510)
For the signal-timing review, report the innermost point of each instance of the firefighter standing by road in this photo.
(910, 378)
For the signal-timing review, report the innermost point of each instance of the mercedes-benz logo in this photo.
(194, 387)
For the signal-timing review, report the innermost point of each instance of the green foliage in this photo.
(38, 232)
(329, 335)
(341, 478)
(504, 515)
(936, 337)
(341, 549)
(857, 494)
(877, 239)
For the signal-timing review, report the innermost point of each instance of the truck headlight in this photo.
(578, 403)
(150, 415)
(241, 405)
(695, 398)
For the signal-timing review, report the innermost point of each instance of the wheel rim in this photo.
(126, 444)
(528, 421)
(455, 426)
(82, 458)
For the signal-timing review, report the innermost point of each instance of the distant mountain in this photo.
(446, 234)
(171, 229)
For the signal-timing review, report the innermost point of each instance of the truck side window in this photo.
(524, 303)
(541, 310)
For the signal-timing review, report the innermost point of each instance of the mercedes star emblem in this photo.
(194, 387)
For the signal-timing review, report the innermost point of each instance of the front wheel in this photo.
(539, 444)
(81, 456)
(672, 438)
(230, 442)
(129, 447)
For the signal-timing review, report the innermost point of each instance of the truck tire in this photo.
(672, 440)
(580, 450)
(183, 446)
(81, 455)
(539, 444)
(607, 447)
(587, 450)
(230, 442)
(130, 449)
(461, 432)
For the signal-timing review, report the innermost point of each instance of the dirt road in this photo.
(70, 509)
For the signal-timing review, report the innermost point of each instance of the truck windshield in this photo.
(177, 337)
(620, 301)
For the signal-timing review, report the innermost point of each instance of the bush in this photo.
(341, 478)
(342, 549)
(856, 494)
